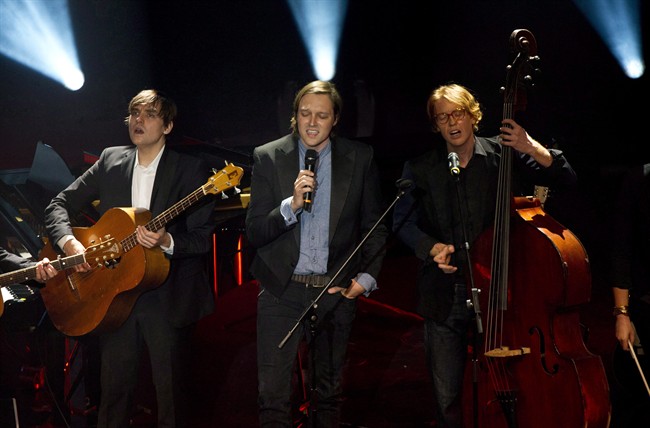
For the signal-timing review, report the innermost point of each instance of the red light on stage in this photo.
(238, 261)
(215, 283)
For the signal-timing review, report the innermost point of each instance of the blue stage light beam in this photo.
(619, 24)
(38, 34)
(320, 23)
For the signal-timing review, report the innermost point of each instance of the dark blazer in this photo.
(10, 262)
(186, 293)
(356, 205)
(423, 217)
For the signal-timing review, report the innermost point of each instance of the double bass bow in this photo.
(534, 370)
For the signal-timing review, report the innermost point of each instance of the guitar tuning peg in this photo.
(214, 171)
(237, 190)
(225, 162)
(224, 196)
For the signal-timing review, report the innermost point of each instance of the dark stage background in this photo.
(229, 63)
(233, 67)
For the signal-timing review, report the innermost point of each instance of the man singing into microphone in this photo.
(429, 221)
(299, 251)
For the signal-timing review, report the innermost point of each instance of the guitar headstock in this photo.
(227, 178)
(103, 254)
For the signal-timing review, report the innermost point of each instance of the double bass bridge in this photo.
(506, 352)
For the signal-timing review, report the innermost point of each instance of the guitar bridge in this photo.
(71, 284)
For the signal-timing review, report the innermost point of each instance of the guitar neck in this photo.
(175, 210)
(25, 274)
(165, 217)
(225, 179)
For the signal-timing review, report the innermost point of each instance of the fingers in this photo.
(44, 270)
(351, 292)
(149, 239)
(144, 238)
(348, 293)
(444, 257)
(73, 247)
(335, 289)
(447, 268)
(305, 182)
(512, 133)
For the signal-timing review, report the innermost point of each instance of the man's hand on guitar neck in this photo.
(149, 239)
(45, 271)
(73, 247)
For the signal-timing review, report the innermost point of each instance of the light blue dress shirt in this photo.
(314, 225)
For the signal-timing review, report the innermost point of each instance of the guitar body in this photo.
(100, 300)
(100, 254)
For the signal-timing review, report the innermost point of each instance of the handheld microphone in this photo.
(311, 156)
(454, 163)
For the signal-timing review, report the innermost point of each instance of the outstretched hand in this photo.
(442, 256)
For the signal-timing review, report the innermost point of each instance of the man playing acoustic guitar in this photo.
(150, 176)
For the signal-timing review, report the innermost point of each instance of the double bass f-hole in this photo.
(542, 351)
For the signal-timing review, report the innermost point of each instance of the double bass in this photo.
(532, 368)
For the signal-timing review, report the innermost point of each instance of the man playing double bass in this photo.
(429, 222)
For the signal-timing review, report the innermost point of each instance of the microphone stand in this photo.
(403, 185)
(472, 301)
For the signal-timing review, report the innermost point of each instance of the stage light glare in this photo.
(635, 68)
(74, 80)
(38, 34)
(619, 24)
(324, 60)
(320, 23)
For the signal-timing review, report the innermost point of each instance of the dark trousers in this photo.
(445, 345)
(120, 360)
(276, 366)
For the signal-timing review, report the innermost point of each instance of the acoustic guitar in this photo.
(99, 256)
(100, 300)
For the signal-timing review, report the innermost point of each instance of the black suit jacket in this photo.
(356, 205)
(10, 262)
(424, 217)
(186, 294)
